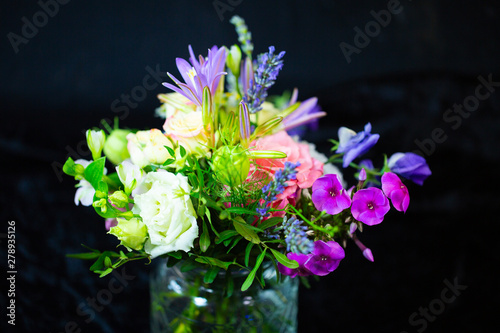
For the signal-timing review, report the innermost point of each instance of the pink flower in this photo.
(395, 190)
(370, 206)
(301, 270)
(325, 258)
(329, 195)
(309, 170)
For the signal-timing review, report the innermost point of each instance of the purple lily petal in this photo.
(200, 74)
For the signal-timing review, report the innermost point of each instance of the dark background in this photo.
(66, 77)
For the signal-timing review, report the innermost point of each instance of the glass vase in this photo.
(182, 302)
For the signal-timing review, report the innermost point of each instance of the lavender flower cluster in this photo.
(277, 186)
(244, 36)
(269, 65)
(295, 236)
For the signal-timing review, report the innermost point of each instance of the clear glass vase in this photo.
(182, 302)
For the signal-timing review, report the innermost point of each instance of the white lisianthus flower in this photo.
(129, 174)
(132, 233)
(167, 211)
(85, 192)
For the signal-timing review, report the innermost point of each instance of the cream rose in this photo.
(167, 211)
(187, 129)
(148, 147)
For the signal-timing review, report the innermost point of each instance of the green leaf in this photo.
(284, 260)
(240, 210)
(94, 171)
(236, 240)
(107, 262)
(271, 222)
(170, 151)
(168, 162)
(209, 217)
(84, 256)
(249, 280)
(172, 261)
(214, 262)
(244, 230)
(114, 181)
(226, 234)
(204, 238)
(98, 264)
(248, 250)
(69, 167)
(106, 272)
(176, 255)
(188, 265)
(182, 150)
(211, 274)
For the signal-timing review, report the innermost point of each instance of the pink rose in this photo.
(309, 170)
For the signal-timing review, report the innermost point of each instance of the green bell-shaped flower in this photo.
(231, 165)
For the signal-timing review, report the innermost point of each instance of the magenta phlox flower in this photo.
(370, 206)
(301, 270)
(329, 195)
(199, 74)
(395, 190)
(325, 258)
(411, 166)
(354, 144)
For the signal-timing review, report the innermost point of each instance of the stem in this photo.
(314, 226)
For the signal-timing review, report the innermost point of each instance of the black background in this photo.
(66, 77)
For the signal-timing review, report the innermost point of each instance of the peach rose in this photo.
(187, 129)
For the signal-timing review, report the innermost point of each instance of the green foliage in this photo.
(107, 261)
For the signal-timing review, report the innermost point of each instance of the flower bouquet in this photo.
(228, 192)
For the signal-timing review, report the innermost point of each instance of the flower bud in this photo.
(119, 199)
(115, 147)
(233, 60)
(129, 174)
(132, 233)
(79, 169)
(95, 141)
(102, 203)
(231, 165)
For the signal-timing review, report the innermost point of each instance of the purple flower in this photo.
(301, 270)
(246, 75)
(325, 258)
(296, 236)
(268, 67)
(411, 166)
(362, 175)
(276, 186)
(354, 144)
(199, 74)
(308, 112)
(369, 206)
(329, 195)
(395, 190)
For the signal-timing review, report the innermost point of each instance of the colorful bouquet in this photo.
(227, 183)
